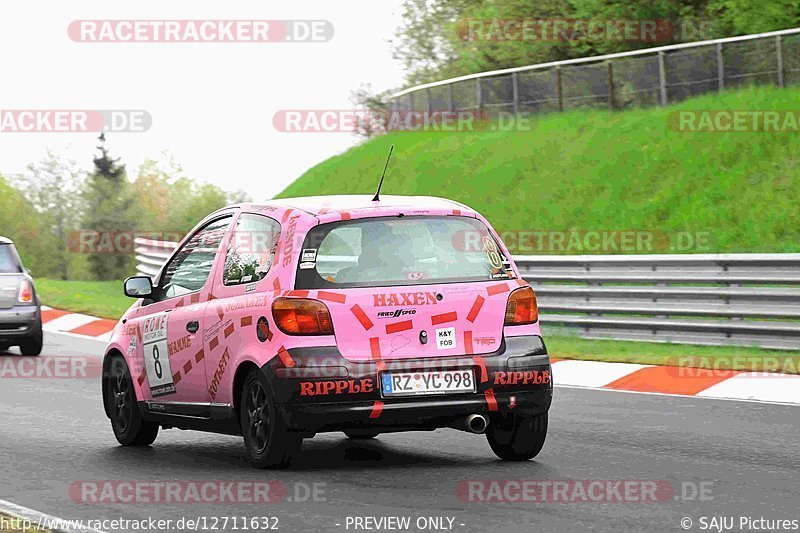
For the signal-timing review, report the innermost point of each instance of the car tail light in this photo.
(298, 316)
(25, 292)
(521, 308)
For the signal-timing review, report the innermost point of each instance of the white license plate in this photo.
(433, 382)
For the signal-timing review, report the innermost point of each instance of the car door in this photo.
(171, 325)
(239, 286)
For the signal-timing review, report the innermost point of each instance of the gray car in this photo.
(20, 311)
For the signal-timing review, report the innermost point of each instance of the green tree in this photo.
(433, 46)
(109, 212)
(424, 43)
(32, 242)
(737, 17)
(52, 186)
(167, 201)
(373, 110)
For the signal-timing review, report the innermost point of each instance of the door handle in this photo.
(192, 326)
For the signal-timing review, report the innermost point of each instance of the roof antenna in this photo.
(378, 192)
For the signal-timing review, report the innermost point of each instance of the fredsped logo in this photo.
(74, 121)
(200, 31)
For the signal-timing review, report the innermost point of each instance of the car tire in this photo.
(361, 434)
(129, 427)
(267, 440)
(32, 345)
(517, 437)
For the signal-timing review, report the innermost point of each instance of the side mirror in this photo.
(138, 287)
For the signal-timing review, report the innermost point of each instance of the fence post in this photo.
(662, 79)
(779, 57)
(515, 89)
(428, 100)
(411, 102)
(478, 95)
(720, 67)
(387, 117)
(450, 106)
(559, 90)
(610, 85)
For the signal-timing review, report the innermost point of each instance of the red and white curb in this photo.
(678, 381)
(626, 377)
(57, 321)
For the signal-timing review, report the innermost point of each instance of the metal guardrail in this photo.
(726, 299)
(649, 76)
(151, 255)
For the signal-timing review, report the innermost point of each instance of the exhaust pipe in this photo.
(470, 424)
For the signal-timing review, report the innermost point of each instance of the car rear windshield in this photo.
(386, 251)
(8, 260)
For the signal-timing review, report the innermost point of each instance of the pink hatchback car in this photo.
(338, 313)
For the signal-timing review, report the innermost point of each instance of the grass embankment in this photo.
(684, 355)
(600, 170)
(97, 298)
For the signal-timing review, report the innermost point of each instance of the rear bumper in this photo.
(20, 321)
(407, 414)
(346, 395)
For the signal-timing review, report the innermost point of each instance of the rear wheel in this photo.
(517, 437)
(32, 345)
(268, 441)
(361, 434)
(126, 419)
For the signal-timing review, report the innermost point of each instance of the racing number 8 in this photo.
(491, 252)
(156, 362)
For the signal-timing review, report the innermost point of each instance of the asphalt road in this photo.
(53, 433)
